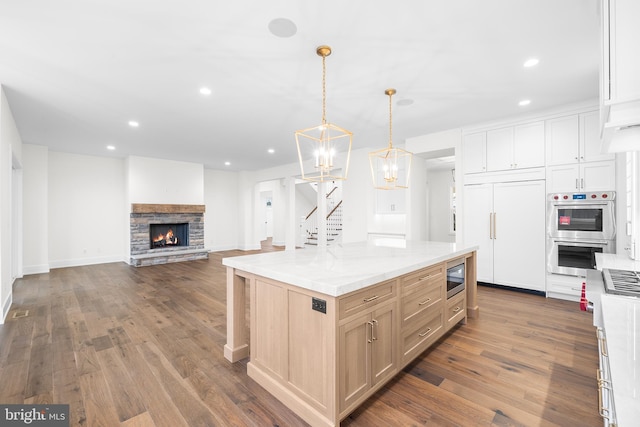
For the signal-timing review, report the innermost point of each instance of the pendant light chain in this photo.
(390, 123)
(324, 90)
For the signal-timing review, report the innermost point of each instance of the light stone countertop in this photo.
(621, 317)
(338, 270)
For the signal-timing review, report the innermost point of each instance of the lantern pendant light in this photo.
(390, 167)
(324, 150)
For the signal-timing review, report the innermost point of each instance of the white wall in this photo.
(86, 201)
(221, 215)
(35, 164)
(164, 181)
(10, 156)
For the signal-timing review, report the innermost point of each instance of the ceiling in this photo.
(77, 71)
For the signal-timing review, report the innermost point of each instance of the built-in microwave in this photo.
(455, 277)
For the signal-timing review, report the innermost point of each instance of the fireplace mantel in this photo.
(165, 208)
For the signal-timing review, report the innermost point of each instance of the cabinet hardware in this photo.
(457, 309)
(424, 277)
(374, 323)
(577, 188)
(494, 225)
(491, 225)
(424, 302)
(581, 182)
(370, 331)
(603, 342)
(424, 334)
(375, 297)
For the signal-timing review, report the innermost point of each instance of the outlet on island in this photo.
(318, 304)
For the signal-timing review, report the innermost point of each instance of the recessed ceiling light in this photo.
(205, 91)
(111, 147)
(271, 151)
(283, 27)
(133, 124)
(531, 62)
(227, 163)
(404, 102)
(524, 102)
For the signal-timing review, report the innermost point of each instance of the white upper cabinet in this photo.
(515, 147)
(621, 62)
(528, 145)
(574, 139)
(500, 149)
(620, 71)
(474, 152)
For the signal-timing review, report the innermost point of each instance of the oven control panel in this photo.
(582, 197)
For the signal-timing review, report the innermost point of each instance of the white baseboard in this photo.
(5, 308)
(35, 269)
(221, 248)
(87, 261)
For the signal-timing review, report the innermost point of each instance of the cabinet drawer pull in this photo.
(424, 302)
(603, 342)
(375, 297)
(424, 334)
(369, 340)
(457, 309)
(428, 276)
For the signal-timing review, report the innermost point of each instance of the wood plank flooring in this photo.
(143, 347)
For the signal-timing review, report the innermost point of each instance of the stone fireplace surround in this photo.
(142, 215)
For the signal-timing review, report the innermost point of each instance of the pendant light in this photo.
(324, 150)
(390, 166)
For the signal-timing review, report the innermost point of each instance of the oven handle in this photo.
(583, 242)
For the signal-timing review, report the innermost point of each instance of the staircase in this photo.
(333, 219)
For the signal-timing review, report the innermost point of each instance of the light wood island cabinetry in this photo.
(325, 341)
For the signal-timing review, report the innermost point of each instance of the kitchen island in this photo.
(330, 326)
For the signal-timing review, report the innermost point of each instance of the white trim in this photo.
(86, 261)
(35, 269)
(6, 307)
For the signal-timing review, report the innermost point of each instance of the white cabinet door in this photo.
(528, 145)
(598, 176)
(474, 152)
(519, 234)
(500, 149)
(624, 33)
(478, 203)
(590, 143)
(562, 140)
(563, 179)
(589, 176)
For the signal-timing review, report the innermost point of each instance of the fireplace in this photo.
(168, 235)
(160, 234)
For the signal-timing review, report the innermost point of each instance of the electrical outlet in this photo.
(318, 304)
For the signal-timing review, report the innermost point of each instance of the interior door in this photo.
(478, 205)
(519, 234)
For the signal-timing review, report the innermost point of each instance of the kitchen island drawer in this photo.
(356, 302)
(415, 303)
(416, 338)
(456, 309)
(424, 277)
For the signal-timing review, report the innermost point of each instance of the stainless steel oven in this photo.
(574, 257)
(582, 215)
(579, 225)
(455, 277)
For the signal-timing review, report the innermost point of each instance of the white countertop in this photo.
(340, 269)
(616, 261)
(621, 317)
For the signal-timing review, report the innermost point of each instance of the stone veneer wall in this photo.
(143, 215)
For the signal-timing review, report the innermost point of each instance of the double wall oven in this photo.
(579, 226)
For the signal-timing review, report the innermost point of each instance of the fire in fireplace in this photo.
(168, 235)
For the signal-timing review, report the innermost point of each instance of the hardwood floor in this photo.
(143, 347)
